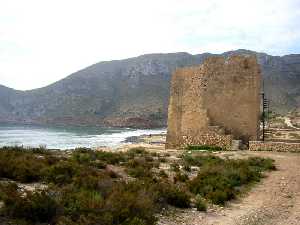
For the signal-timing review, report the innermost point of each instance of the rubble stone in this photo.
(274, 146)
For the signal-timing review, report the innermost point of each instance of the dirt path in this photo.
(275, 201)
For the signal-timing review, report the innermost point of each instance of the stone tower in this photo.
(215, 102)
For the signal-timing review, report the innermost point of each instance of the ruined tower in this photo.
(215, 102)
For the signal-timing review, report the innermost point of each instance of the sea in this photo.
(68, 137)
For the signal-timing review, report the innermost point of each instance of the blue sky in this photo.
(44, 41)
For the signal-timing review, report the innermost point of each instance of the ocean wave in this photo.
(69, 138)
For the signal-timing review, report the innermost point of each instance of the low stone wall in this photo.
(274, 146)
(210, 139)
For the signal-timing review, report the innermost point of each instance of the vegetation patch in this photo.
(221, 180)
(84, 189)
(24, 165)
(203, 147)
(200, 204)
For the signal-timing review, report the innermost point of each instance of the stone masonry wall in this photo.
(274, 146)
(222, 93)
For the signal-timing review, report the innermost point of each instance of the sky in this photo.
(44, 41)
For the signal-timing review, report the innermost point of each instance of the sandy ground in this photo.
(274, 201)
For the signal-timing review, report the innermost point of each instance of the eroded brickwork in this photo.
(215, 102)
(274, 146)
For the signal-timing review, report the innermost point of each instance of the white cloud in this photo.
(43, 41)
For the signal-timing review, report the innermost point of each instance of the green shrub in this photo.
(201, 160)
(83, 155)
(89, 178)
(219, 182)
(139, 172)
(110, 157)
(131, 203)
(34, 206)
(135, 221)
(175, 167)
(167, 193)
(84, 190)
(88, 156)
(262, 163)
(139, 167)
(180, 177)
(62, 172)
(22, 165)
(81, 201)
(200, 204)
(177, 197)
(137, 151)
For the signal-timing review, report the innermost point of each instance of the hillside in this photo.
(134, 92)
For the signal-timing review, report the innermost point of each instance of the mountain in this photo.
(134, 92)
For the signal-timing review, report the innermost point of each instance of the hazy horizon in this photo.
(43, 42)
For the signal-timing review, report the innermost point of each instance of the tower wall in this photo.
(215, 102)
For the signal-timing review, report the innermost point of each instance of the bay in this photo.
(67, 137)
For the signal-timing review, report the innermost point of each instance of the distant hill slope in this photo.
(133, 92)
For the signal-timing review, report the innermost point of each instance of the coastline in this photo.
(69, 137)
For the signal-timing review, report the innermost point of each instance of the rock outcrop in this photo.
(214, 103)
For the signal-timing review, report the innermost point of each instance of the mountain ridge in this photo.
(134, 92)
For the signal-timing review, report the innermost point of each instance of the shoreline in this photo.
(67, 138)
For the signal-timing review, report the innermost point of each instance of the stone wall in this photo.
(215, 102)
(274, 146)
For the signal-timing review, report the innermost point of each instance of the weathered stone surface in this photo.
(215, 102)
(274, 146)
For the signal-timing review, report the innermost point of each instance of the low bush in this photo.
(201, 160)
(137, 151)
(141, 166)
(204, 147)
(61, 173)
(130, 204)
(200, 204)
(175, 167)
(180, 177)
(262, 163)
(84, 190)
(34, 206)
(177, 197)
(110, 157)
(220, 182)
(88, 156)
(24, 165)
(166, 193)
